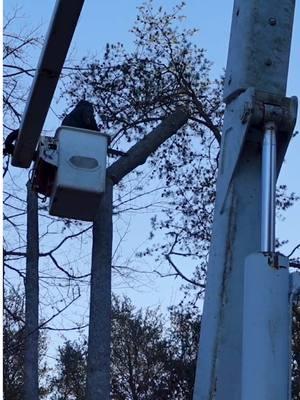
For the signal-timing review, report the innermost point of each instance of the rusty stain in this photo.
(227, 269)
(274, 260)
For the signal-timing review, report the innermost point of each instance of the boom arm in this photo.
(60, 33)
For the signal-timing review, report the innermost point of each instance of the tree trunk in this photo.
(98, 363)
(31, 384)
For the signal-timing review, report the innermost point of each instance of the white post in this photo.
(266, 329)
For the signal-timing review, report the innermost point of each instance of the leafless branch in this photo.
(294, 249)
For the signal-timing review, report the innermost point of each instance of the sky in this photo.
(109, 21)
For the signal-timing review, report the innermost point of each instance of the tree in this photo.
(69, 382)
(147, 360)
(98, 363)
(59, 278)
(139, 354)
(184, 337)
(131, 92)
(17, 71)
(13, 348)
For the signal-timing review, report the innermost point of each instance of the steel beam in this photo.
(57, 43)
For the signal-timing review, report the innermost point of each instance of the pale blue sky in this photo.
(110, 21)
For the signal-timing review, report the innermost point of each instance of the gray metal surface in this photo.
(238, 119)
(259, 46)
(236, 234)
(268, 190)
(266, 329)
(57, 43)
(258, 57)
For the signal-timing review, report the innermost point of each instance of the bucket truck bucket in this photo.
(80, 177)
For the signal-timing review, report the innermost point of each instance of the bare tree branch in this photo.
(293, 251)
(139, 153)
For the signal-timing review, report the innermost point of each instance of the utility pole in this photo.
(245, 331)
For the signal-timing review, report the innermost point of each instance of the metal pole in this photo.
(269, 176)
(255, 83)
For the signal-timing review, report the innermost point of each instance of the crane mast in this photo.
(244, 351)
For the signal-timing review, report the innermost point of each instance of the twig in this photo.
(294, 249)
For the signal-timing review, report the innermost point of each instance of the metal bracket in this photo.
(238, 119)
(252, 109)
(278, 109)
